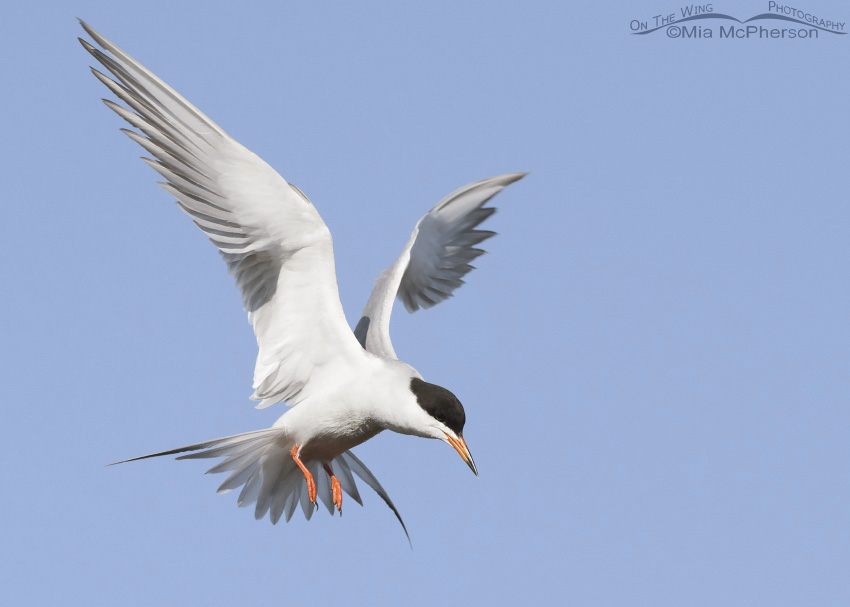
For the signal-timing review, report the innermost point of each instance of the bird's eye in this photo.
(440, 418)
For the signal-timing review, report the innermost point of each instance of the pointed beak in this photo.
(460, 446)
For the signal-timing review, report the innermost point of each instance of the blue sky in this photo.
(653, 357)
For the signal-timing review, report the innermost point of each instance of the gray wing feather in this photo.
(433, 262)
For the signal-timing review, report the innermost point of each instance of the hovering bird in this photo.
(342, 387)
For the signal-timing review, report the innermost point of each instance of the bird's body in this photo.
(348, 410)
(342, 387)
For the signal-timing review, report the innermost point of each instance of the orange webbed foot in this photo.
(311, 484)
(336, 488)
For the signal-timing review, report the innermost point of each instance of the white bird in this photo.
(340, 392)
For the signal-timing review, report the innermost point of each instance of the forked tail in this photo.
(260, 463)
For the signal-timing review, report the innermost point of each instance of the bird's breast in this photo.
(326, 429)
(327, 445)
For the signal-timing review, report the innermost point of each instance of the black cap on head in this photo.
(440, 404)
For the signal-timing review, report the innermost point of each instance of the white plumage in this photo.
(280, 252)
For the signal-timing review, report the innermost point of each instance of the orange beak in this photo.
(460, 446)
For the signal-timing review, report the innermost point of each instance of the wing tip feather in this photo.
(513, 177)
(87, 45)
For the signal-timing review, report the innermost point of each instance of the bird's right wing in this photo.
(433, 262)
(271, 237)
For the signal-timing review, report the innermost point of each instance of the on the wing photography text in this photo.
(704, 21)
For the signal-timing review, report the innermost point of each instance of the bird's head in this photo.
(444, 417)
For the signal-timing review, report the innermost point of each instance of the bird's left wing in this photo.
(433, 262)
(271, 237)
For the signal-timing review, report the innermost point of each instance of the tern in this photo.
(342, 387)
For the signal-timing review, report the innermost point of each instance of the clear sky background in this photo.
(654, 357)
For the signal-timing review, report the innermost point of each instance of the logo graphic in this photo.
(701, 21)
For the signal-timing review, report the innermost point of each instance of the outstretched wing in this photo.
(433, 262)
(259, 222)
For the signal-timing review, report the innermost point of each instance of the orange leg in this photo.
(311, 484)
(336, 488)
